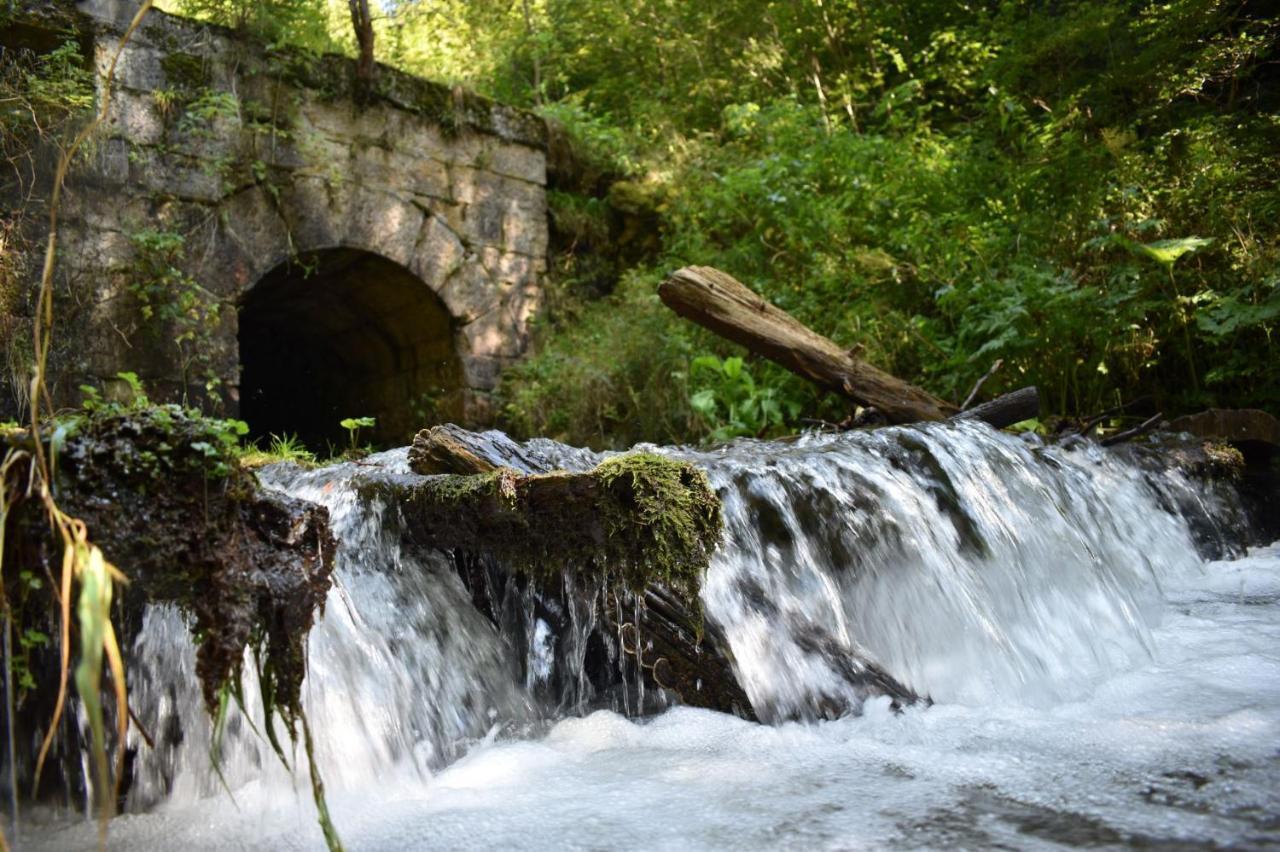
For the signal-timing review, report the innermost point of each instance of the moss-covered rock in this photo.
(637, 519)
(160, 491)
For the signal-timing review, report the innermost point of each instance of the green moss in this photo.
(663, 522)
(1223, 459)
(636, 520)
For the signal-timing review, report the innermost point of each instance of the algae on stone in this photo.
(637, 520)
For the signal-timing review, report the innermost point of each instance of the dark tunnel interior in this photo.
(340, 334)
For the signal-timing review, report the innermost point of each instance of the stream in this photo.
(1103, 663)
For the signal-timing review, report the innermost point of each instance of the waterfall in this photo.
(974, 566)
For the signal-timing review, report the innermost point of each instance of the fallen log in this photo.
(441, 449)
(1023, 404)
(448, 448)
(642, 517)
(513, 509)
(723, 305)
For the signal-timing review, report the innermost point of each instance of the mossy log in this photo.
(643, 523)
(641, 518)
(666, 637)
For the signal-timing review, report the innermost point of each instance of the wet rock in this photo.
(163, 496)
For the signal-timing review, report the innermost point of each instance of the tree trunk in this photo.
(718, 302)
(362, 23)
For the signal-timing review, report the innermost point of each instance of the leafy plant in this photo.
(353, 425)
(730, 401)
(177, 309)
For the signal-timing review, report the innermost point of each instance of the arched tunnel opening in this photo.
(341, 334)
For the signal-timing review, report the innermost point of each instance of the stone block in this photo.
(328, 118)
(421, 137)
(484, 218)
(175, 175)
(492, 334)
(307, 205)
(509, 267)
(139, 68)
(110, 162)
(525, 231)
(517, 161)
(438, 253)
(469, 293)
(134, 117)
(252, 228)
(481, 371)
(383, 223)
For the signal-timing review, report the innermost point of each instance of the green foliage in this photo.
(353, 425)
(298, 23)
(730, 402)
(946, 186)
(42, 98)
(1167, 252)
(40, 92)
(605, 373)
(940, 184)
(215, 441)
(176, 309)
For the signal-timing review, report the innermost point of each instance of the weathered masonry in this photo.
(247, 232)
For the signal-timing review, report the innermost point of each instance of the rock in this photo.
(1256, 432)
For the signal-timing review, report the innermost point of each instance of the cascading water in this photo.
(1021, 587)
(403, 672)
(972, 566)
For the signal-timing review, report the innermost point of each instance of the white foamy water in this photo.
(1181, 748)
(1094, 681)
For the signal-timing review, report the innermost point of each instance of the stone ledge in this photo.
(334, 75)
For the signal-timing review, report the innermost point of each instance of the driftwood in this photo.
(443, 449)
(995, 368)
(1005, 410)
(1136, 432)
(720, 303)
(724, 305)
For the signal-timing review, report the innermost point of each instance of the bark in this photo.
(362, 24)
(1005, 410)
(443, 449)
(720, 303)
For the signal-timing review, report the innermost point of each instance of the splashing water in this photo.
(973, 566)
(1095, 682)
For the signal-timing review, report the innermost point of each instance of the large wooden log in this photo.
(1005, 410)
(720, 303)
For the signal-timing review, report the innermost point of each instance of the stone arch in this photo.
(343, 332)
(487, 295)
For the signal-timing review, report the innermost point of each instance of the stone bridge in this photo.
(247, 233)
